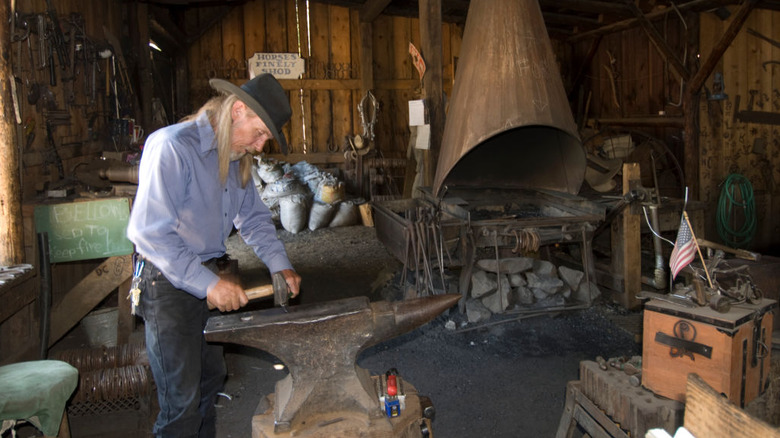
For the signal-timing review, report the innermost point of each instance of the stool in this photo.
(37, 391)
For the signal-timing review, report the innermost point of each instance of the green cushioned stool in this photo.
(37, 391)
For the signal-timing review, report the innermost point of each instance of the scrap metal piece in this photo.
(319, 344)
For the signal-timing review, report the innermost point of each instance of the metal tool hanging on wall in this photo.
(368, 124)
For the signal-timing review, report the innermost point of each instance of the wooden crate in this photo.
(730, 351)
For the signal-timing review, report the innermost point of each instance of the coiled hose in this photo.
(736, 215)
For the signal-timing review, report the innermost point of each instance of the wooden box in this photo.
(730, 351)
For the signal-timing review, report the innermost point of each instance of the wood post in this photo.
(626, 244)
(144, 67)
(431, 42)
(12, 246)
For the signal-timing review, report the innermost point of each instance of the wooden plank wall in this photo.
(628, 78)
(325, 103)
(729, 145)
(78, 138)
(81, 139)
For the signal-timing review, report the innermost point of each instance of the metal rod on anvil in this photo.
(319, 344)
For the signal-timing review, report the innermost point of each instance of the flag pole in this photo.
(695, 242)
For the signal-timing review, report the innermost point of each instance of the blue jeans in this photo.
(187, 370)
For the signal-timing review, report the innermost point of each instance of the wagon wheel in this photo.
(649, 152)
(656, 161)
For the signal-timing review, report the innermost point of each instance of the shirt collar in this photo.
(208, 140)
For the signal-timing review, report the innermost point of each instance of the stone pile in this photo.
(499, 286)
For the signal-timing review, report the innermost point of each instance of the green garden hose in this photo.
(736, 216)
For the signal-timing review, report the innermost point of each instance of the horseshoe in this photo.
(769, 62)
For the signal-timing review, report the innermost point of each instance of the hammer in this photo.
(278, 288)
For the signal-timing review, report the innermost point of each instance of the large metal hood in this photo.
(509, 124)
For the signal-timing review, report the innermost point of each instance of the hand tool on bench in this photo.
(278, 288)
(644, 295)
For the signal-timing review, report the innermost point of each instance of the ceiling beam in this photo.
(720, 47)
(162, 25)
(659, 42)
(371, 9)
(695, 6)
(594, 7)
(570, 20)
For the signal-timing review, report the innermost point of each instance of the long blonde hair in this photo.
(218, 110)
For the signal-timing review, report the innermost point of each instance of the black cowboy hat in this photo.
(264, 95)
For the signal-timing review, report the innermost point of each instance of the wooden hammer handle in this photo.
(266, 290)
(740, 253)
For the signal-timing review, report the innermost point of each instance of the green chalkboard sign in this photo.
(85, 230)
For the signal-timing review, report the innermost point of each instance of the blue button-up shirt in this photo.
(182, 213)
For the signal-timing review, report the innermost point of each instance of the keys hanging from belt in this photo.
(135, 291)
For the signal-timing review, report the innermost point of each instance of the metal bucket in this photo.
(509, 124)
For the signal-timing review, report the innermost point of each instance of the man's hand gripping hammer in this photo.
(278, 288)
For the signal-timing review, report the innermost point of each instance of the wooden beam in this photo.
(695, 84)
(215, 19)
(12, 246)
(433, 88)
(594, 46)
(312, 157)
(143, 63)
(656, 121)
(162, 25)
(659, 42)
(348, 84)
(692, 96)
(695, 5)
(593, 7)
(691, 144)
(626, 245)
(366, 58)
(88, 293)
(371, 9)
(708, 413)
(570, 20)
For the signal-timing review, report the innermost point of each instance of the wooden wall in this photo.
(629, 88)
(732, 141)
(81, 132)
(325, 101)
(81, 125)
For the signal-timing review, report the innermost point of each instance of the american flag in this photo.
(684, 249)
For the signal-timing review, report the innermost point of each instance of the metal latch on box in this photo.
(760, 349)
(683, 346)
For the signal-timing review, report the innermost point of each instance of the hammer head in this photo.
(281, 290)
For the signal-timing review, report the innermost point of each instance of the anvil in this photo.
(319, 344)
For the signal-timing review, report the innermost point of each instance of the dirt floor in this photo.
(502, 378)
(506, 379)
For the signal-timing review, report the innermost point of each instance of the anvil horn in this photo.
(319, 344)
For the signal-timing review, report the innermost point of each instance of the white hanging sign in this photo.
(281, 65)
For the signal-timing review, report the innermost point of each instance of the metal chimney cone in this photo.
(509, 124)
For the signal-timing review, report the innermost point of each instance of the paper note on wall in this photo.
(423, 137)
(416, 112)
